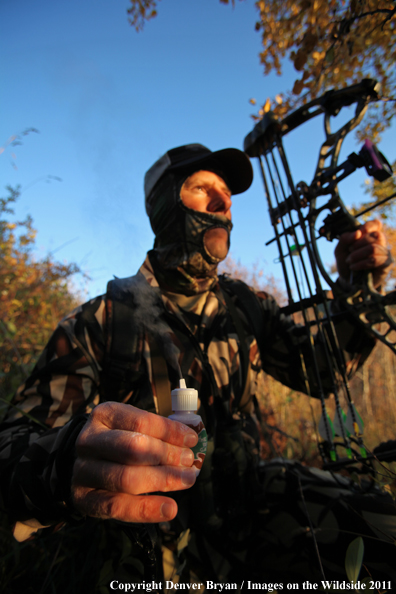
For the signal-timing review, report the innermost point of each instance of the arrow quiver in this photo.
(304, 216)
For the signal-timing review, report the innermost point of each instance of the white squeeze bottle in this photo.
(184, 405)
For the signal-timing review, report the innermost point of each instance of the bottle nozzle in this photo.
(184, 398)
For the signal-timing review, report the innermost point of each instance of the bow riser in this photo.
(295, 211)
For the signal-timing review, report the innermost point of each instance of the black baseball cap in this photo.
(233, 163)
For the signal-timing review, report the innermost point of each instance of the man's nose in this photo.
(221, 201)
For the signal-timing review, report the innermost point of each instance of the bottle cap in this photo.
(184, 398)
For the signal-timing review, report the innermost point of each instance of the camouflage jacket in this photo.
(71, 377)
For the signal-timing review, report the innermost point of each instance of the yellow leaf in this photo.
(317, 56)
(252, 101)
(278, 99)
(267, 106)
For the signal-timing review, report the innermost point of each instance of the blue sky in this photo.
(108, 101)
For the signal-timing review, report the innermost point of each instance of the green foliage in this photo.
(354, 559)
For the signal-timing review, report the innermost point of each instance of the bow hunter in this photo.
(96, 444)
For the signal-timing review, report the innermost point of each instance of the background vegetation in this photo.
(291, 418)
(34, 295)
(330, 43)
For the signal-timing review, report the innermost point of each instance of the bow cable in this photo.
(296, 215)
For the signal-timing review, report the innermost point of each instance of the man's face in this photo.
(205, 191)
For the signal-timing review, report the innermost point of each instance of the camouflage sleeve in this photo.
(290, 356)
(37, 436)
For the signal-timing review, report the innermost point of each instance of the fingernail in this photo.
(186, 458)
(190, 440)
(167, 510)
(188, 477)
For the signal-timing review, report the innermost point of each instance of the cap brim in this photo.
(235, 165)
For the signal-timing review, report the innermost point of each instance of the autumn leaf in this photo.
(298, 87)
(309, 42)
(34, 295)
(300, 60)
(334, 44)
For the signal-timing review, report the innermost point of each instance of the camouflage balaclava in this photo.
(181, 257)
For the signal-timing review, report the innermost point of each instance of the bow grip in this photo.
(338, 222)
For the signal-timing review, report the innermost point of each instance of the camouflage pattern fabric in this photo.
(37, 438)
(298, 527)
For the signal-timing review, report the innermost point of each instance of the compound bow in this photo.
(295, 213)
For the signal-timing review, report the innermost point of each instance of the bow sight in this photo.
(297, 212)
